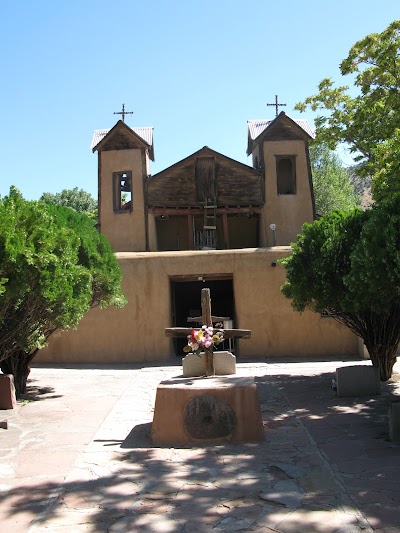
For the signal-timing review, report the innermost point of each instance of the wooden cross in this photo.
(207, 320)
(276, 104)
(123, 112)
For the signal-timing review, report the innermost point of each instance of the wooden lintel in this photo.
(184, 211)
(201, 277)
(228, 333)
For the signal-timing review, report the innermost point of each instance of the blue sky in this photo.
(195, 71)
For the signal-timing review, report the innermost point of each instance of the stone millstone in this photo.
(202, 411)
(208, 417)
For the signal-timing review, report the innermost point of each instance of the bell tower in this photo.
(124, 155)
(279, 148)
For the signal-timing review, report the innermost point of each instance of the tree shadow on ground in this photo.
(130, 485)
(316, 404)
(36, 393)
(202, 489)
(353, 435)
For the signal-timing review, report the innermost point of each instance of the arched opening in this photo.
(286, 174)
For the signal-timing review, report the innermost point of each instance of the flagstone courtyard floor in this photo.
(77, 457)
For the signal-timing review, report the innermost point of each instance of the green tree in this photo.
(54, 266)
(348, 265)
(332, 186)
(369, 121)
(78, 199)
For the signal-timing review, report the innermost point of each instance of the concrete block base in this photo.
(394, 422)
(358, 380)
(214, 410)
(7, 392)
(195, 365)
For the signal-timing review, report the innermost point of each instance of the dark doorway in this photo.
(186, 302)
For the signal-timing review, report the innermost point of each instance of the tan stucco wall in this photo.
(287, 211)
(153, 244)
(136, 332)
(125, 231)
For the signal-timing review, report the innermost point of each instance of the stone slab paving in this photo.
(77, 458)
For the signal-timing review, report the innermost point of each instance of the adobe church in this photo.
(206, 221)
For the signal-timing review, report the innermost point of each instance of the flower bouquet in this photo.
(206, 338)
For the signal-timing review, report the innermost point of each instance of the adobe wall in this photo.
(126, 230)
(136, 332)
(287, 211)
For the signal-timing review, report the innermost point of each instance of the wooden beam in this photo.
(206, 307)
(213, 318)
(190, 231)
(184, 211)
(226, 230)
(201, 277)
(206, 315)
(228, 333)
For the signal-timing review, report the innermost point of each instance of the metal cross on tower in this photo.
(276, 104)
(123, 112)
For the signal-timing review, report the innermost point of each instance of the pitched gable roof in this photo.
(205, 151)
(236, 183)
(259, 129)
(122, 136)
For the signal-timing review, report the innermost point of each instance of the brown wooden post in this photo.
(190, 230)
(206, 311)
(226, 230)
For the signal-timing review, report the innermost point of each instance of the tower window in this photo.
(286, 174)
(122, 192)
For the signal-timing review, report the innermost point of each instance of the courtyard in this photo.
(77, 457)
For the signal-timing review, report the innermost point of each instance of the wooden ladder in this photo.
(210, 216)
(210, 226)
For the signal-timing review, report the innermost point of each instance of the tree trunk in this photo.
(380, 332)
(18, 366)
(383, 357)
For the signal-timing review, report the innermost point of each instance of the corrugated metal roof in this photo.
(145, 133)
(256, 127)
(97, 136)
